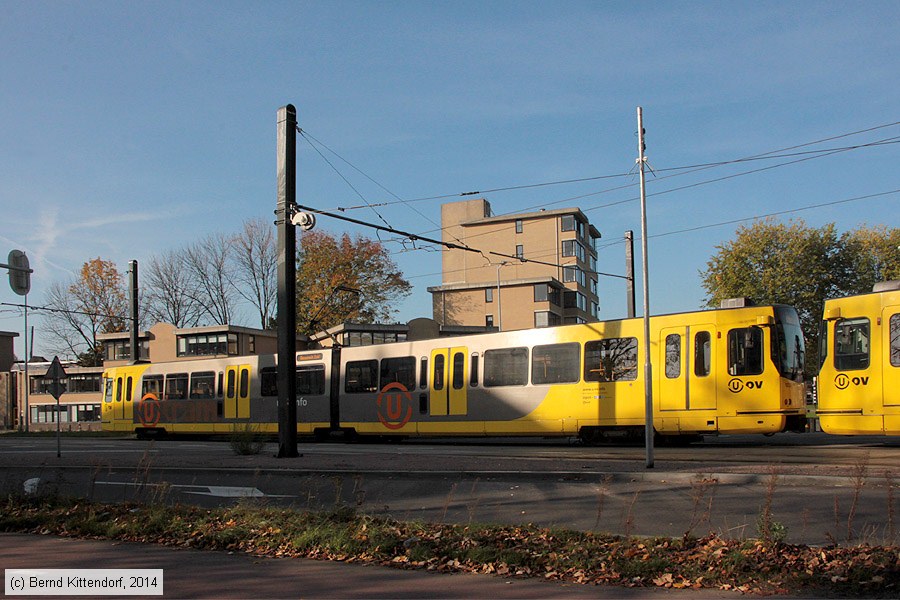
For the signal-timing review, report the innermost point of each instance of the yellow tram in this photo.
(858, 386)
(733, 370)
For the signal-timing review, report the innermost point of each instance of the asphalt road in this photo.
(813, 482)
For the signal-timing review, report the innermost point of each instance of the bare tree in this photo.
(169, 292)
(209, 267)
(256, 267)
(94, 303)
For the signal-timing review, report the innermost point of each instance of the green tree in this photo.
(330, 270)
(777, 263)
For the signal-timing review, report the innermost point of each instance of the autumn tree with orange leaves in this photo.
(94, 303)
(331, 268)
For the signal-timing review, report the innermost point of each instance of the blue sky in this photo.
(131, 128)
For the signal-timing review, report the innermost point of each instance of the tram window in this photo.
(108, 390)
(230, 385)
(745, 351)
(459, 368)
(613, 359)
(202, 385)
(399, 370)
(438, 372)
(152, 384)
(119, 389)
(506, 366)
(895, 340)
(268, 381)
(129, 390)
(702, 353)
(311, 380)
(673, 356)
(361, 377)
(556, 363)
(423, 373)
(473, 374)
(176, 386)
(823, 342)
(245, 383)
(851, 344)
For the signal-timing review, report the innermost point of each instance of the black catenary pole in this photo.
(287, 280)
(133, 294)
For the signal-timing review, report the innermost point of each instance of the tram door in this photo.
(673, 381)
(237, 392)
(890, 364)
(122, 401)
(449, 374)
(701, 370)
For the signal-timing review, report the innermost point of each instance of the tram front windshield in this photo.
(788, 349)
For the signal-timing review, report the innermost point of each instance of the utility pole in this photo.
(629, 272)
(648, 369)
(133, 293)
(286, 175)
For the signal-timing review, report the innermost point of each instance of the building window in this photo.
(208, 344)
(545, 318)
(567, 223)
(488, 294)
(541, 292)
(489, 320)
(518, 225)
(121, 349)
(83, 382)
(520, 251)
(573, 248)
(251, 344)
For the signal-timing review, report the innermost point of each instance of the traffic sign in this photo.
(56, 374)
(19, 272)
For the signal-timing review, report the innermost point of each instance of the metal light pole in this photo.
(287, 281)
(648, 369)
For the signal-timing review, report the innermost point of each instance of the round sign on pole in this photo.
(19, 272)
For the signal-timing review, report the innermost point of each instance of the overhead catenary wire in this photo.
(310, 138)
(823, 153)
(780, 153)
(772, 154)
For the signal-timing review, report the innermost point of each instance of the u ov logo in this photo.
(391, 406)
(843, 381)
(736, 385)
